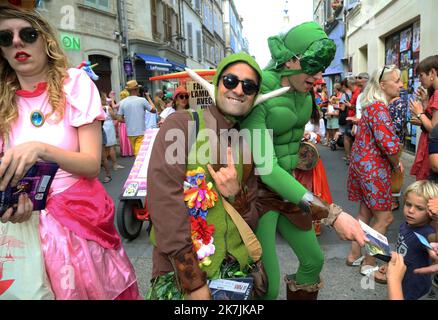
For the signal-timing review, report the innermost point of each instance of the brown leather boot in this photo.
(296, 291)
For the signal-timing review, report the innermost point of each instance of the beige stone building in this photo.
(373, 26)
(89, 30)
(401, 32)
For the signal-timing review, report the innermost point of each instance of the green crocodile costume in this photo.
(286, 116)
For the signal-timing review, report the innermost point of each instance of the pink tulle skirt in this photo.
(125, 145)
(79, 269)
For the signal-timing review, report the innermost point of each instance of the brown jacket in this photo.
(168, 212)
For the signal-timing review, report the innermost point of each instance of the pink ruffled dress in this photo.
(83, 253)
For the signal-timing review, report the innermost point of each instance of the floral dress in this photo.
(369, 174)
(398, 111)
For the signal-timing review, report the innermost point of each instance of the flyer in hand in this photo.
(36, 183)
(378, 245)
(231, 289)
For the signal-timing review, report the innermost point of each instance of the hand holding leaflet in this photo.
(378, 245)
(36, 183)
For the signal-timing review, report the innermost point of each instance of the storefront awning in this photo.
(177, 66)
(154, 62)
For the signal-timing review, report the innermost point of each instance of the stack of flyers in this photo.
(378, 245)
(231, 289)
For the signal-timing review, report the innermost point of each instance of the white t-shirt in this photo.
(315, 130)
(166, 112)
(359, 106)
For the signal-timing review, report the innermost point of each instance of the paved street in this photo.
(341, 282)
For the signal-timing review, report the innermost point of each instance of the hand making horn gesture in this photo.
(226, 178)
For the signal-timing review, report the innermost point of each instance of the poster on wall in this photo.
(416, 37)
(405, 59)
(415, 66)
(393, 50)
(405, 78)
(405, 40)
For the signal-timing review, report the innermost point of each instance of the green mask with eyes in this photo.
(309, 43)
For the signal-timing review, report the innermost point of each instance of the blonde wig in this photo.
(373, 92)
(56, 76)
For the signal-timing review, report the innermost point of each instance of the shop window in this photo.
(99, 4)
(403, 50)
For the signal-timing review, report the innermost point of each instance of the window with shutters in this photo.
(351, 4)
(199, 45)
(190, 38)
(167, 22)
(99, 4)
(154, 18)
(198, 6)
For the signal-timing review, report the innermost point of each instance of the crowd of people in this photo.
(216, 215)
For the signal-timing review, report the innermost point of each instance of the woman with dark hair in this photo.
(181, 99)
(424, 113)
(176, 102)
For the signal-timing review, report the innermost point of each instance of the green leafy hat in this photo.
(233, 58)
(309, 43)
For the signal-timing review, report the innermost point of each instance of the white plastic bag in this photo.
(22, 271)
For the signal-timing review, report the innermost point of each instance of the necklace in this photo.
(37, 118)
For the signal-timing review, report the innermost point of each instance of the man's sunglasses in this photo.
(249, 87)
(27, 35)
(183, 96)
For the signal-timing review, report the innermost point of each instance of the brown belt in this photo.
(269, 200)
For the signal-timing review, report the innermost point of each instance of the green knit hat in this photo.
(309, 43)
(233, 58)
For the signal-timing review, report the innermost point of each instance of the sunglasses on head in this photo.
(27, 35)
(383, 71)
(249, 87)
(183, 96)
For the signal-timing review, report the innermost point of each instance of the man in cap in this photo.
(194, 237)
(298, 59)
(132, 111)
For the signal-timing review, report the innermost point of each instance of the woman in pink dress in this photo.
(425, 114)
(53, 114)
(125, 145)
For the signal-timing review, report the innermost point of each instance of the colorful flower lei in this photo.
(199, 197)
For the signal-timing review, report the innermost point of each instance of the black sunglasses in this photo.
(27, 35)
(183, 96)
(249, 87)
(383, 71)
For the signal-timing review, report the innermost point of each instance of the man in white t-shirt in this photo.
(361, 81)
(132, 111)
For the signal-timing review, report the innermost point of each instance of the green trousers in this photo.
(303, 243)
